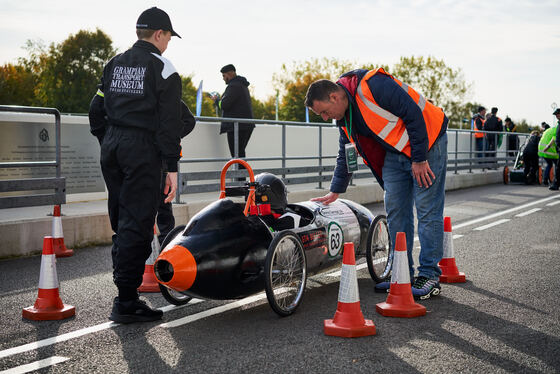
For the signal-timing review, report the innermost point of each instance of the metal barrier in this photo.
(458, 159)
(58, 183)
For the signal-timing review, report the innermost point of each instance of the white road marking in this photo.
(499, 222)
(457, 236)
(36, 365)
(507, 211)
(214, 311)
(76, 334)
(528, 212)
(553, 203)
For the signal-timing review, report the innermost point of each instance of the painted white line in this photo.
(528, 212)
(214, 311)
(457, 236)
(554, 203)
(36, 365)
(494, 215)
(338, 272)
(499, 222)
(76, 334)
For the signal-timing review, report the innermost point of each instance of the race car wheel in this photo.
(172, 296)
(506, 175)
(540, 175)
(285, 273)
(379, 255)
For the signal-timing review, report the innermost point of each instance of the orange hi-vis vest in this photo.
(478, 133)
(390, 128)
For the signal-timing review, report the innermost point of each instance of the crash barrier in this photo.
(60, 249)
(317, 154)
(348, 321)
(400, 302)
(149, 281)
(56, 184)
(449, 271)
(49, 305)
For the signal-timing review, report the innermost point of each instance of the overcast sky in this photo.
(509, 50)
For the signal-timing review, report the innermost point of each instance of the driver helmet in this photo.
(271, 190)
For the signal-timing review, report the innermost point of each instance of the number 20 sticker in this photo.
(336, 239)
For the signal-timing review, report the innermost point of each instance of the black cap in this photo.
(557, 111)
(155, 19)
(228, 67)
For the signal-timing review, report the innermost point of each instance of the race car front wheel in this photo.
(172, 296)
(379, 255)
(285, 273)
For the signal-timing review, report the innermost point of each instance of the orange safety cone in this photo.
(400, 302)
(48, 305)
(149, 281)
(449, 271)
(60, 249)
(348, 321)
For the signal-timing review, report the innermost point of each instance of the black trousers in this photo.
(244, 136)
(531, 162)
(165, 218)
(131, 168)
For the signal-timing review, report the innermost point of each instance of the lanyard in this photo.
(347, 125)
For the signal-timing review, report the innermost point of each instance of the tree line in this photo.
(65, 76)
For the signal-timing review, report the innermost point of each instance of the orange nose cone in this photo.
(176, 268)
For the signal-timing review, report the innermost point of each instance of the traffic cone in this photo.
(449, 271)
(400, 302)
(149, 281)
(60, 249)
(48, 305)
(348, 321)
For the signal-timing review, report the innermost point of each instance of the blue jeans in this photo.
(402, 193)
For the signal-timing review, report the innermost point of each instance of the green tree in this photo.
(443, 85)
(16, 85)
(68, 73)
(264, 109)
(189, 97)
(292, 82)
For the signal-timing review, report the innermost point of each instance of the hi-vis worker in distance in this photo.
(402, 137)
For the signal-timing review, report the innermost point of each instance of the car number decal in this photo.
(335, 239)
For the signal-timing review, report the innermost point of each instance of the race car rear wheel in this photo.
(379, 255)
(285, 273)
(172, 296)
(505, 175)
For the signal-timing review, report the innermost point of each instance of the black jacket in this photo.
(236, 103)
(142, 89)
(494, 123)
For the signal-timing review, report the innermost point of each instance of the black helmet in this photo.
(271, 190)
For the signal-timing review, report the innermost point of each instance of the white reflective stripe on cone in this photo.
(448, 245)
(48, 279)
(155, 251)
(57, 228)
(401, 273)
(348, 291)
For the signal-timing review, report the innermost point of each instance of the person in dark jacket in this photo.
(402, 138)
(512, 140)
(165, 218)
(493, 123)
(136, 116)
(235, 103)
(531, 157)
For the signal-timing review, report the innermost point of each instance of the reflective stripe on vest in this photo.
(387, 126)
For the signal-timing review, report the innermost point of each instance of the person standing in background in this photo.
(235, 103)
(512, 141)
(493, 123)
(478, 127)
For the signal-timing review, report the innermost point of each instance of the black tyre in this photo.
(379, 255)
(285, 273)
(172, 296)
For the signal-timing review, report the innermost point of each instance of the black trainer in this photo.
(131, 311)
(423, 288)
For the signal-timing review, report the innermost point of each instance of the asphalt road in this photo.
(504, 319)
